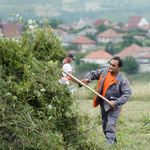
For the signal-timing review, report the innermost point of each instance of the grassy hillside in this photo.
(72, 10)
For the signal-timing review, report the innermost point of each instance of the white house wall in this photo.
(103, 62)
(108, 39)
(143, 68)
(84, 47)
(143, 22)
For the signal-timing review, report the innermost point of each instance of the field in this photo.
(135, 113)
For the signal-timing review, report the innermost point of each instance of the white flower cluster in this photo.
(17, 15)
(32, 26)
(37, 93)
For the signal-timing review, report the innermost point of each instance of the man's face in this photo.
(113, 67)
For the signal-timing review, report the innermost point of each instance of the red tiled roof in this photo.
(98, 22)
(99, 54)
(11, 27)
(109, 33)
(133, 51)
(83, 40)
(11, 33)
(59, 31)
(133, 21)
(147, 55)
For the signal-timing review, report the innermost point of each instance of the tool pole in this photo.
(70, 75)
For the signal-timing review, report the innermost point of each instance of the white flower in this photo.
(15, 97)
(20, 18)
(28, 67)
(42, 90)
(7, 94)
(50, 117)
(29, 21)
(8, 82)
(37, 93)
(31, 27)
(17, 15)
(49, 106)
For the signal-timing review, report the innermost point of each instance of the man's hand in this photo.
(111, 103)
(85, 81)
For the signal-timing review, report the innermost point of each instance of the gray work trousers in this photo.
(109, 121)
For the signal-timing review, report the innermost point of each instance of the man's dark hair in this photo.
(120, 62)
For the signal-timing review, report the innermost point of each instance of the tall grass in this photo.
(140, 91)
(130, 134)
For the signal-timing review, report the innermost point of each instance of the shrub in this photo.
(36, 111)
(130, 65)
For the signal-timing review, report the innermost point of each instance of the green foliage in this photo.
(78, 57)
(84, 67)
(36, 111)
(55, 22)
(71, 46)
(129, 40)
(73, 31)
(91, 36)
(130, 65)
(101, 28)
(110, 48)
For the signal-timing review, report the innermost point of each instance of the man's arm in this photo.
(72, 78)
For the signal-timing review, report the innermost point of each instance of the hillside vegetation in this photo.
(72, 10)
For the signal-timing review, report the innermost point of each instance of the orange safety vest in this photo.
(99, 82)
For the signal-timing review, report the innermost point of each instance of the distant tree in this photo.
(91, 36)
(129, 40)
(71, 46)
(84, 67)
(130, 65)
(120, 24)
(54, 23)
(78, 57)
(110, 48)
(101, 28)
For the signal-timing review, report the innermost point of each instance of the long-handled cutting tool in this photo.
(86, 86)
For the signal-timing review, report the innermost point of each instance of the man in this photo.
(114, 86)
(67, 67)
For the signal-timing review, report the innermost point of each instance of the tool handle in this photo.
(70, 75)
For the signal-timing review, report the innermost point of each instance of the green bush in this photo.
(36, 111)
(130, 65)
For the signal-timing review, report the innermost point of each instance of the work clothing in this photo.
(118, 91)
(64, 77)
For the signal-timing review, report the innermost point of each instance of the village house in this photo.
(109, 36)
(141, 54)
(136, 21)
(59, 31)
(84, 22)
(68, 38)
(99, 57)
(84, 44)
(13, 34)
(87, 30)
(11, 30)
(105, 22)
(64, 27)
